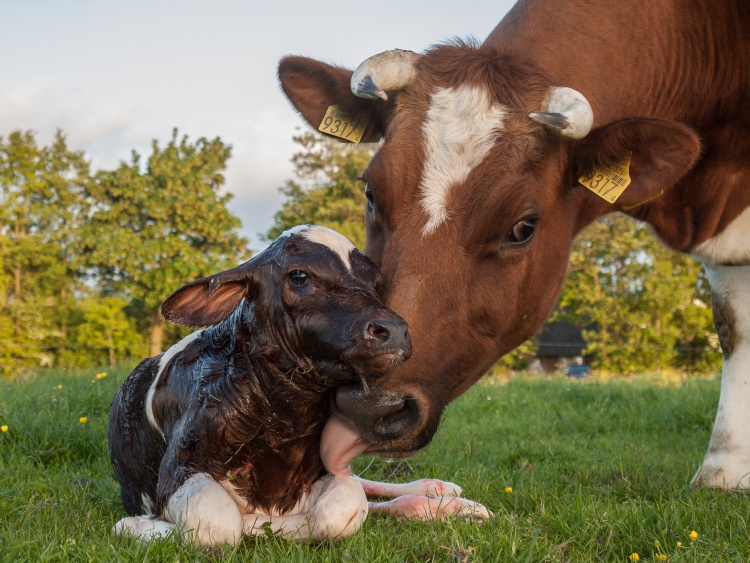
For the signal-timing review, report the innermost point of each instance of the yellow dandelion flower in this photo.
(508, 489)
(83, 420)
(101, 375)
(635, 557)
(679, 544)
(4, 427)
(693, 535)
(661, 557)
(59, 386)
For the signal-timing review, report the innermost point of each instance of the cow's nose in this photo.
(379, 415)
(390, 334)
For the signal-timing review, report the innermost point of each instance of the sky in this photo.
(115, 75)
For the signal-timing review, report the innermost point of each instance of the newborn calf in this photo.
(221, 435)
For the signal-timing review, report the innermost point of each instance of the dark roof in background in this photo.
(560, 338)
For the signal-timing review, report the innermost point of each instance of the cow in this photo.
(227, 433)
(495, 155)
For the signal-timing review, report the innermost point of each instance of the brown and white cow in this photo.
(474, 195)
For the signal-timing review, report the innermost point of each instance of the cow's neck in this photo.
(672, 59)
(673, 65)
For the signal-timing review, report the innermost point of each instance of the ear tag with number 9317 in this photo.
(608, 182)
(337, 123)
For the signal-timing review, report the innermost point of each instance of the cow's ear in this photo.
(210, 300)
(312, 87)
(660, 153)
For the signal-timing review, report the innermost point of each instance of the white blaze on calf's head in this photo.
(337, 242)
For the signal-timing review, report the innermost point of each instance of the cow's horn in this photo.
(566, 113)
(390, 70)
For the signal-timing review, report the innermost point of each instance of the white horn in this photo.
(566, 113)
(390, 70)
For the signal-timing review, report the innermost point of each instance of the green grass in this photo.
(598, 470)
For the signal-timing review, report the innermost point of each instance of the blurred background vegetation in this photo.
(87, 257)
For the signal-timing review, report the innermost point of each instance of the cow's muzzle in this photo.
(389, 421)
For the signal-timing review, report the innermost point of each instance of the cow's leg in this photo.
(424, 487)
(425, 499)
(143, 528)
(420, 507)
(204, 512)
(201, 510)
(420, 500)
(335, 509)
(727, 463)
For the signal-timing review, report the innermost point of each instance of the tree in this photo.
(43, 202)
(640, 301)
(107, 329)
(328, 191)
(158, 227)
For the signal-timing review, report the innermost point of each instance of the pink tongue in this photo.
(339, 445)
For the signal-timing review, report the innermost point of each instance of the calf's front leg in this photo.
(335, 509)
(200, 508)
(424, 499)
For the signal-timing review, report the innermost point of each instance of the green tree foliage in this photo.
(42, 205)
(107, 332)
(327, 190)
(639, 301)
(162, 225)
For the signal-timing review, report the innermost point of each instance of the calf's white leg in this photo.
(335, 509)
(727, 462)
(201, 509)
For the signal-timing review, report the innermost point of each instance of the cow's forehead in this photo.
(338, 243)
(461, 125)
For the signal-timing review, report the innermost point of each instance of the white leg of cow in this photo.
(727, 463)
(424, 487)
(335, 509)
(143, 528)
(205, 511)
(425, 499)
(420, 507)
(201, 509)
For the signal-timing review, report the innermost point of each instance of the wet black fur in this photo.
(246, 401)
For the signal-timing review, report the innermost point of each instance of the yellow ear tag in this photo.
(337, 123)
(608, 182)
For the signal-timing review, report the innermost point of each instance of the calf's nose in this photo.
(390, 335)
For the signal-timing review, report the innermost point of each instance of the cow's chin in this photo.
(393, 425)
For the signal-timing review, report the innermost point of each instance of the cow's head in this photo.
(311, 310)
(473, 203)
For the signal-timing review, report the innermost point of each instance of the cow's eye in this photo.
(299, 278)
(370, 200)
(521, 232)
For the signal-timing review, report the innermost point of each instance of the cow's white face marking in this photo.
(731, 246)
(337, 242)
(163, 361)
(461, 126)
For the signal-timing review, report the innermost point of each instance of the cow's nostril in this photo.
(378, 331)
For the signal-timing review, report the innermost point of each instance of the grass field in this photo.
(573, 471)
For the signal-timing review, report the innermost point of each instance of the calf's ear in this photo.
(210, 300)
(661, 152)
(312, 87)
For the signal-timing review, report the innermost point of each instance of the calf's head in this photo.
(310, 308)
(473, 203)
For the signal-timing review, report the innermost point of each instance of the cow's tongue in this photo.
(339, 446)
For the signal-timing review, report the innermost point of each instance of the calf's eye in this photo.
(298, 278)
(521, 232)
